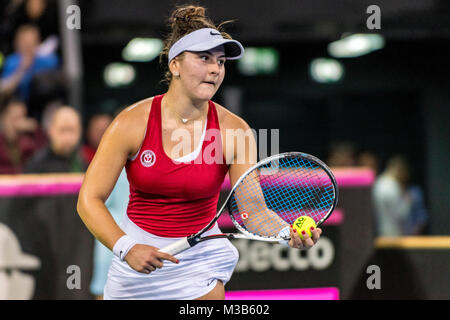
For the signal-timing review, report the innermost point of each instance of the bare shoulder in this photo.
(229, 120)
(131, 124)
(134, 111)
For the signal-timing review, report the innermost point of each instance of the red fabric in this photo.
(88, 153)
(171, 199)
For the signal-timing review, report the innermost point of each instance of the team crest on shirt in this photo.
(148, 158)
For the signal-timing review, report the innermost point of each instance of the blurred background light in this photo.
(325, 70)
(356, 45)
(119, 74)
(257, 61)
(142, 49)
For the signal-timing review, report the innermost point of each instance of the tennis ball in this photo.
(304, 223)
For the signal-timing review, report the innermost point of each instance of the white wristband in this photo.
(285, 232)
(122, 246)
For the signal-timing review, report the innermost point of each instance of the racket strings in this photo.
(283, 189)
(298, 188)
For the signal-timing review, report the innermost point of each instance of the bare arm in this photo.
(120, 140)
(100, 179)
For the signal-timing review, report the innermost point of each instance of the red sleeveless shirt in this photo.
(169, 198)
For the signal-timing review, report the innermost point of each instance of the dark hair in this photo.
(6, 103)
(184, 20)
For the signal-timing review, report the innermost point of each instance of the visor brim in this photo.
(233, 49)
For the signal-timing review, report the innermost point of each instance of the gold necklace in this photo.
(184, 120)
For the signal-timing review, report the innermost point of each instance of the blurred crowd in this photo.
(39, 132)
(398, 204)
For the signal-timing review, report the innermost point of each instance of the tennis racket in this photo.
(270, 196)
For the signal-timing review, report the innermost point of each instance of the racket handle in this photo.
(285, 232)
(176, 247)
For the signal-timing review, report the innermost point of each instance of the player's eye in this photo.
(221, 62)
(204, 58)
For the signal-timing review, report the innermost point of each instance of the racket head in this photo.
(293, 184)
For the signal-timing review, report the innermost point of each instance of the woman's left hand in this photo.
(308, 242)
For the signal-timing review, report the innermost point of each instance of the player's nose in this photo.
(214, 67)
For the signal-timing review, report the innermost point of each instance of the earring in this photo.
(176, 74)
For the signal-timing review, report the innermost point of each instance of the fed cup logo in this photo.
(148, 158)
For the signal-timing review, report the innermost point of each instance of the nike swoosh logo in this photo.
(214, 34)
(121, 253)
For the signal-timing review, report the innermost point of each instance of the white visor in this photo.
(206, 39)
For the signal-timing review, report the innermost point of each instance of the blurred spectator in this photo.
(399, 207)
(369, 160)
(418, 217)
(42, 13)
(47, 88)
(21, 66)
(96, 127)
(47, 116)
(342, 155)
(20, 137)
(62, 154)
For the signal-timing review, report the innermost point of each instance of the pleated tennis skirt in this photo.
(197, 273)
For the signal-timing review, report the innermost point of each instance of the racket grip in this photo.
(176, 247)
(285, 232)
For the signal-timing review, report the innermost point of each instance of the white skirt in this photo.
(197, 273)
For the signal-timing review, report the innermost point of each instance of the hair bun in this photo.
(183, 15)
(182, 21)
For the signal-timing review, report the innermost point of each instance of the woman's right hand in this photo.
(145, 259)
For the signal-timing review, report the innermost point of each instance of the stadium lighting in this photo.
(325, 70)
(142, 49)
(356, 45)
(119, 74)
(258, 61)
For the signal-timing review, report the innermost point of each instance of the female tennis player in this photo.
(172, 196)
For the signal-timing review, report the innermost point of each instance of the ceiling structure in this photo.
(271, 21)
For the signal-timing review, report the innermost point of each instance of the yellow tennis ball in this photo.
(304, 223)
